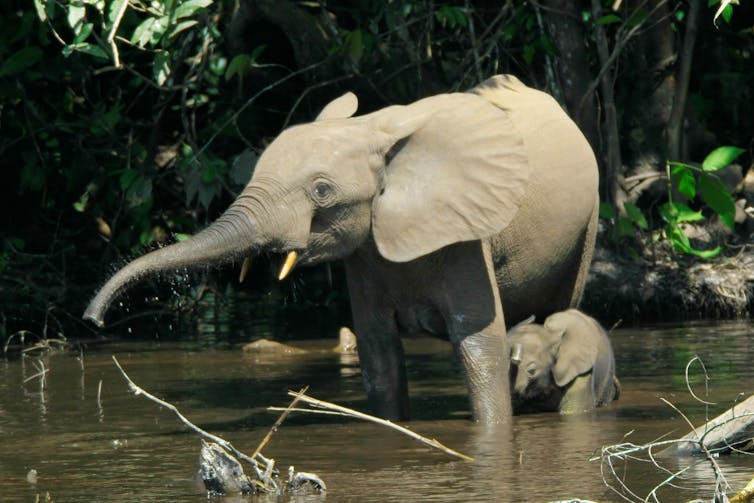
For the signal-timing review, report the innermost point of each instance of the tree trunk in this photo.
(612, 152)
(563, 22)
(678, 111)
(647, 96)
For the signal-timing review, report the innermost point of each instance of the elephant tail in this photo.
(590, 238)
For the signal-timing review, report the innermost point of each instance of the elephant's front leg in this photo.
(476, 328)
(383, 369)
(483, 356)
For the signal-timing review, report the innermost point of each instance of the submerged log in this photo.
(346, 346)
(731, 431)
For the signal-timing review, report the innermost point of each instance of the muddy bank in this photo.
(667, 286)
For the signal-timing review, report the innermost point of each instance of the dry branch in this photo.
(264, 481)
(331, 408)
(732, 431)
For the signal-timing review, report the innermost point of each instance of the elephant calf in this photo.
(566, 364)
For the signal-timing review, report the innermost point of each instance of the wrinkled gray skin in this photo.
(439, 208)
(566, 364)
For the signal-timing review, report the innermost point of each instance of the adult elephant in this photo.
(440, 209)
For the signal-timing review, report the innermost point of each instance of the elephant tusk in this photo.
(288, 265)
(244, 269)
(516, 355)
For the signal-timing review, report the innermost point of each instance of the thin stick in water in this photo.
(384, 422)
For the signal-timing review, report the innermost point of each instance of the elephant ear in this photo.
(579, 345)
(340, 108)
(456, 170)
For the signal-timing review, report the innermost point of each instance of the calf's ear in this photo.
(578, 347)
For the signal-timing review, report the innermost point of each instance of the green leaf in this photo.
(161, 67)
(86, 30)
(355, 46)
(681, 243)
(183, 25)
(635, 215)
(143, 33)
(16, 243)
(40, 8)
(717, 197)
(668, 212)
(685, 214)
(258, 50)
(675, 213)
(33, 176)
(529, 52)
(20, 61)
(197, 100)
(207, 193)
(114, 11)
(127, 178)
(139, 192)
(705, 253)
(624, 227)
(678, 238)
(76, 16)
(243, 167)
(179, 236)
(209, 173)
(188, 8)
(80, 205)
(451, 16)
(241, 63)
(86, 48)
(685, 181)
(721, 157)
(150, 31)
(727, 13)
(609, 19)
(607, 211)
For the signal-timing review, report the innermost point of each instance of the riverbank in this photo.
(664, 286)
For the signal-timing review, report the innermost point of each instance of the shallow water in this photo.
(121, 447)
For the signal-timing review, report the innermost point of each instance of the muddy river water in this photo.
(90, 439)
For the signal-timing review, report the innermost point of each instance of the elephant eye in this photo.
(322, 190)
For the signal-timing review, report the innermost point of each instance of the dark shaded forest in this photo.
(127, 125)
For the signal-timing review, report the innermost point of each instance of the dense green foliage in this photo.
(127, 123)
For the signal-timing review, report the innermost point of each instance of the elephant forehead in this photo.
(313, 144)
(531, 339)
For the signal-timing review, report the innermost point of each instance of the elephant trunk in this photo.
(234, 235)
